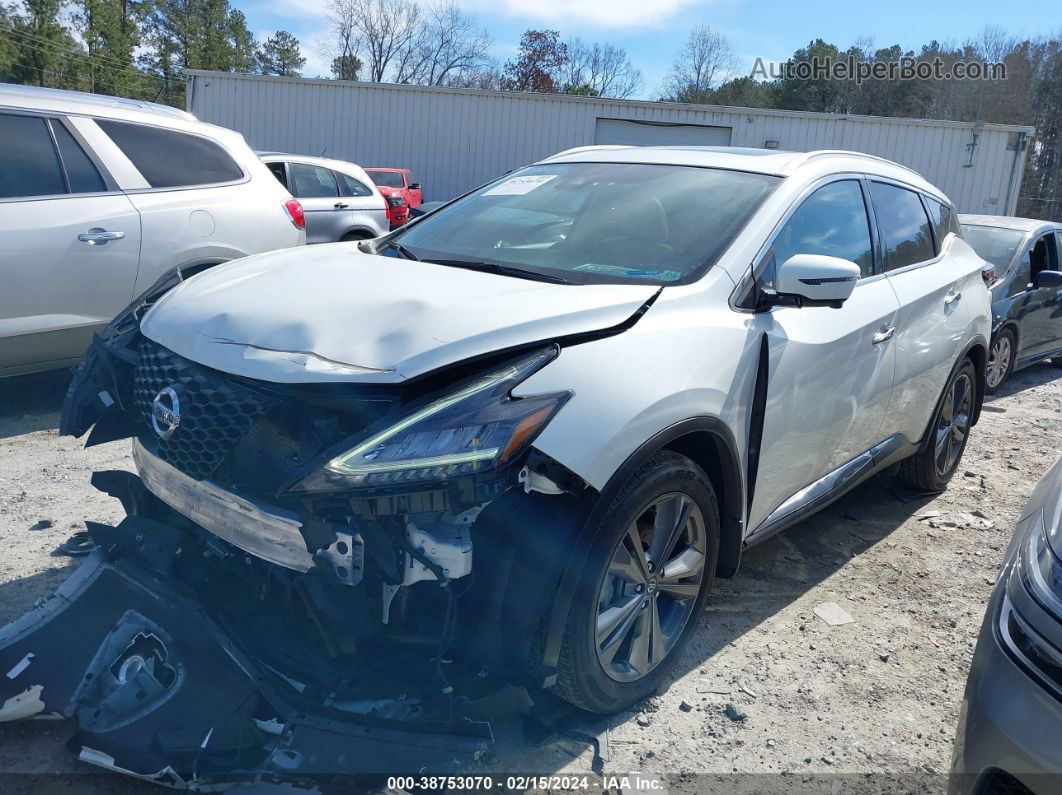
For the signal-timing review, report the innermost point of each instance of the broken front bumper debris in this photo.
(158, 688)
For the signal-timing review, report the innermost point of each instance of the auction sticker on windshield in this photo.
(518, 186)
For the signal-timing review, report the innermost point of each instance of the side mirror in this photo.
(1048, 279)
(414, 186)
(817, 279)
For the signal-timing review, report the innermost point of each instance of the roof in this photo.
(1006, 222)
(80, 103)
(387, 170)
(761, 161)
(612, 101)
(345, 166)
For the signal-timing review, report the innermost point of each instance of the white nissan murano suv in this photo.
(515, 440)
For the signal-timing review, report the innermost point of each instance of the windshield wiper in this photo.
(504, 270)
(403, 252)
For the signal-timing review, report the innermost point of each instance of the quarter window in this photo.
(170, 159)
(312, 182)
(278, 171)
(831, 221)
(30, 165)
(904, 225)
(80, 171)
(351, 186)
(943, 220)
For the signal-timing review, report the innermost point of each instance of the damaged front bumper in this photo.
(159, 689)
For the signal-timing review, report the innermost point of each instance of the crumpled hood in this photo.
(334, 313)
(1047, 496)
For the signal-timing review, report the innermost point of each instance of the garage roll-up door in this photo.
(641, 133)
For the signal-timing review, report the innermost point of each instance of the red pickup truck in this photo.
(400, 190)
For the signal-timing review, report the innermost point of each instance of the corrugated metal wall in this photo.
(456, 139)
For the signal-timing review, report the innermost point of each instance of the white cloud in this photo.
(609, 14)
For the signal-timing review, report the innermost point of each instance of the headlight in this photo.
(474, 428)
(1041, 570)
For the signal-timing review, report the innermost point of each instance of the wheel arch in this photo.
(358, 233)
(977, 352)
(709, 443)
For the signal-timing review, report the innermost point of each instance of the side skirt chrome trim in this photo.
(822, 492)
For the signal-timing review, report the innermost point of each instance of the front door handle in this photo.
(98, 237)
(884, 335)
(952, 298)
(340, 206)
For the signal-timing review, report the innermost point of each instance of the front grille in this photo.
(215, 412)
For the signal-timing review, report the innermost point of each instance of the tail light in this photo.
(396, 201)
(988, 273)
(295, 213)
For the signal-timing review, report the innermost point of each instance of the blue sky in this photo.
(652, 30)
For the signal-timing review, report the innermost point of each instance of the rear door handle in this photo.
(340, 206)
(97, 236)
(884, 335)
(952, 298)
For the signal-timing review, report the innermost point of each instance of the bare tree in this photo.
(403, 42)
(602, 70)
(382, 30)
(704, 62)
(449, 45)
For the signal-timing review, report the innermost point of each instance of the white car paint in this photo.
(392, 318)
(59, 289)
(840, 380)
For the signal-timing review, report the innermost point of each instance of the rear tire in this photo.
(932, 466)
(351, 237)
(643, 589)
(1000, 361)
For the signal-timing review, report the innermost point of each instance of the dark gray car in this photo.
(1011, 717)
(338, 198)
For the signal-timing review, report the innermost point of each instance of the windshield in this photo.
(991, 243)
(389, 179)
(595, 222)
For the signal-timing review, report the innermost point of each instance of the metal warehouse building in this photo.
(456, 139)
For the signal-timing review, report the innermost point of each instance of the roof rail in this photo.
(850, 153)
(591, 148)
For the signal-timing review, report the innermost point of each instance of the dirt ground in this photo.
(870, 705)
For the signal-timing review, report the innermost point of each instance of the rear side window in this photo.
(351, 186)
(904, 225)
(312, 182)
(278, 172)
(30, 165)
(170, 159)
(831, 221)
(82, 173)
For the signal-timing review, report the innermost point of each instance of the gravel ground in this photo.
(869, 705)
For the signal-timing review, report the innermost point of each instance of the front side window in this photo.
(312, 182)
(352, 186)
(904, 225)
(596, 222)
(171, 159)
(387, 179)
(30, 165)
(831, 221)
(994, 244)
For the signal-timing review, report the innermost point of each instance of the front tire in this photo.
(1000, 360)
(649, 573)
(932, 466)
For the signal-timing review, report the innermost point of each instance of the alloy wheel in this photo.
(650, 587)
(998, 361)
(954, 424)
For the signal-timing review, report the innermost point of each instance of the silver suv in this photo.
(340, 200)
(102, 196)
